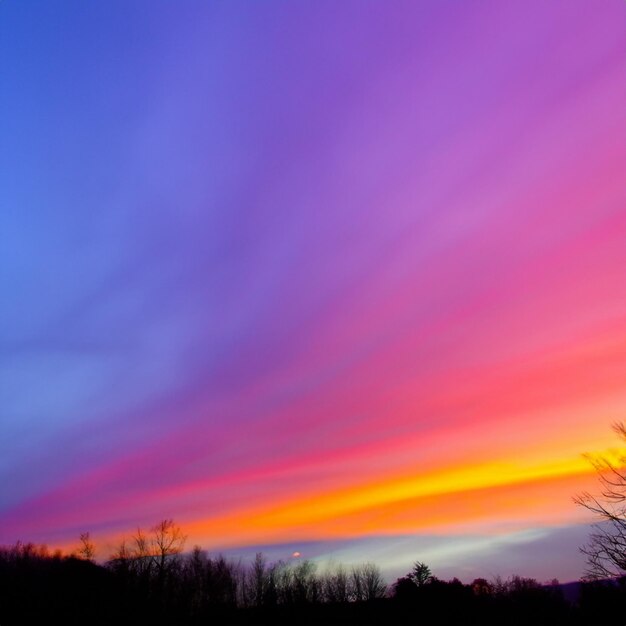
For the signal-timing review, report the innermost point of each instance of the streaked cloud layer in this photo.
(310, 272)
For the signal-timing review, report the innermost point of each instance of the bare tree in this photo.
(357, 586)
(258, 580)
(87, 549)
(167, 541)
(141, 554)
(305, 583)
(606, 550)
(194, 574)
(373, 582)
(147, 555)
(120, 559)
(336, 585)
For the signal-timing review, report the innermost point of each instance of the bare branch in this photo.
(606, 550)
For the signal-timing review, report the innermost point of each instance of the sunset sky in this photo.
(347, 278)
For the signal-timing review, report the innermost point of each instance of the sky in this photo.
(346, 278)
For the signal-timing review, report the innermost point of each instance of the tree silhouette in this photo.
(87, 549)
(374, 586)
(336, 585)
(167, 541)
(606, 550)
(36, 583)
(420, 574)
(481, 587)
(259, 580)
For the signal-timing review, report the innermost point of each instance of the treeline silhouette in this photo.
(149, 580)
